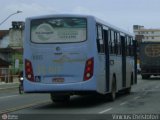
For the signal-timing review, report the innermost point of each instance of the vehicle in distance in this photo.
(149, 59)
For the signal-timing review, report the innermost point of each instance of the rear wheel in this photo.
(60, 98)
(20, 89)
(145, 76)
(112, 95)
(128, 90)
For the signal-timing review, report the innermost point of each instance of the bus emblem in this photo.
(152, 50)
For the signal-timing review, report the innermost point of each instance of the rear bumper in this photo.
(150, 71)
(34, 87)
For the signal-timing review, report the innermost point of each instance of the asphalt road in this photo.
(144, 99)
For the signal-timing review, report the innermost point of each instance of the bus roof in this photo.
(87, 16)
(113, 27)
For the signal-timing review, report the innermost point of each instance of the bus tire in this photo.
(145, 76)
(20, 88)
(128, 90)
(132, 79)
(112, 95)
(61, 98)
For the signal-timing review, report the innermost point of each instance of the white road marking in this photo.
(8, 88)
(105, 110)
(25, 106)
(124, 103)
(157, 87)
(136, 97)
(8, 96)
(145, 93)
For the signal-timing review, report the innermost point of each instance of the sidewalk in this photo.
(5, 86)
(10, 85)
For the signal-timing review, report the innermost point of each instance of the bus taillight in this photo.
(88, 72)
(28, 70)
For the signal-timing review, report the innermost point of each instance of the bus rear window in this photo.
(58, 30)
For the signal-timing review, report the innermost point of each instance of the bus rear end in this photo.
(57, 56)
(149, 59)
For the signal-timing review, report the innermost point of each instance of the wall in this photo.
(16, 38)
(4, 42)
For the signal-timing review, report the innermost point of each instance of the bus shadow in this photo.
(153, 78)
(78, 102)
(87, 101)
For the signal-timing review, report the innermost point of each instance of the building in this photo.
(16, 35)
(11, 51)
(146, 34)
(4, 55)
(143, 34)
(4, 40)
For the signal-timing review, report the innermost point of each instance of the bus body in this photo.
(76, 54)
(149, 59)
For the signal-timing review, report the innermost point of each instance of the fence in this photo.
(8, 75)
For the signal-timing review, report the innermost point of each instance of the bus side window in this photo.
(130, 46)
(115, 43)
(109, 42)
(127, 46)
(112, 42)
(100, 41)
(119, 44)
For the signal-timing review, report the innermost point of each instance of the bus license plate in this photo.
(58, 80)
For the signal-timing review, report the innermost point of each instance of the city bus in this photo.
(69, 54)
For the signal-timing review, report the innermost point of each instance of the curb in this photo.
(8, 86)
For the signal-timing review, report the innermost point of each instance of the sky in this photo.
(121, 13)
